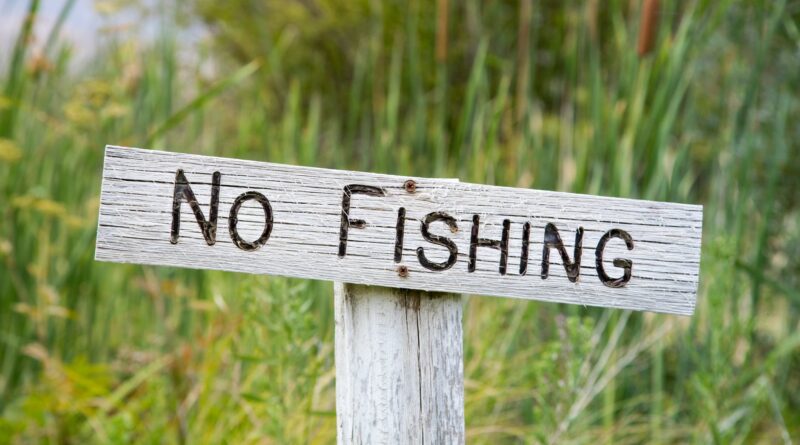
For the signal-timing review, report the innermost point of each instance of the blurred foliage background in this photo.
(571, 95)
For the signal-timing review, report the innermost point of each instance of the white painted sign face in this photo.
(430, 234)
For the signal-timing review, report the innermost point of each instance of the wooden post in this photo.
(399, 366)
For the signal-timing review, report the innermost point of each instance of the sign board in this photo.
(416, 233)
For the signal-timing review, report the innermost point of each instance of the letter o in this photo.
(233, 221)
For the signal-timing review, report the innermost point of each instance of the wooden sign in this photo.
(404, 232)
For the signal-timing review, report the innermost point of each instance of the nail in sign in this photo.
(418, 233)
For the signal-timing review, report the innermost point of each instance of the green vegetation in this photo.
(550, 96)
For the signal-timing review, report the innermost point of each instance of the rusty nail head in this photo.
(402, 271)
(410, 186)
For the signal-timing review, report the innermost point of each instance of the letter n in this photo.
(553, 240)
(183, 191)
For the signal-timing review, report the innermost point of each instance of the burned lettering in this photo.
(439, 240)
(233, 221)
(553, 240)
(625, 264)
(347, 222)
(183, 190)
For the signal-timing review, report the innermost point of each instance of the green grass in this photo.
(108, 353)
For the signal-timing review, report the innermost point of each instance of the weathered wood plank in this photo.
(399, 366)
(136, 219)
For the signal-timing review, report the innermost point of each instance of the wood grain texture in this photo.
(135, 217)
(399, 366)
